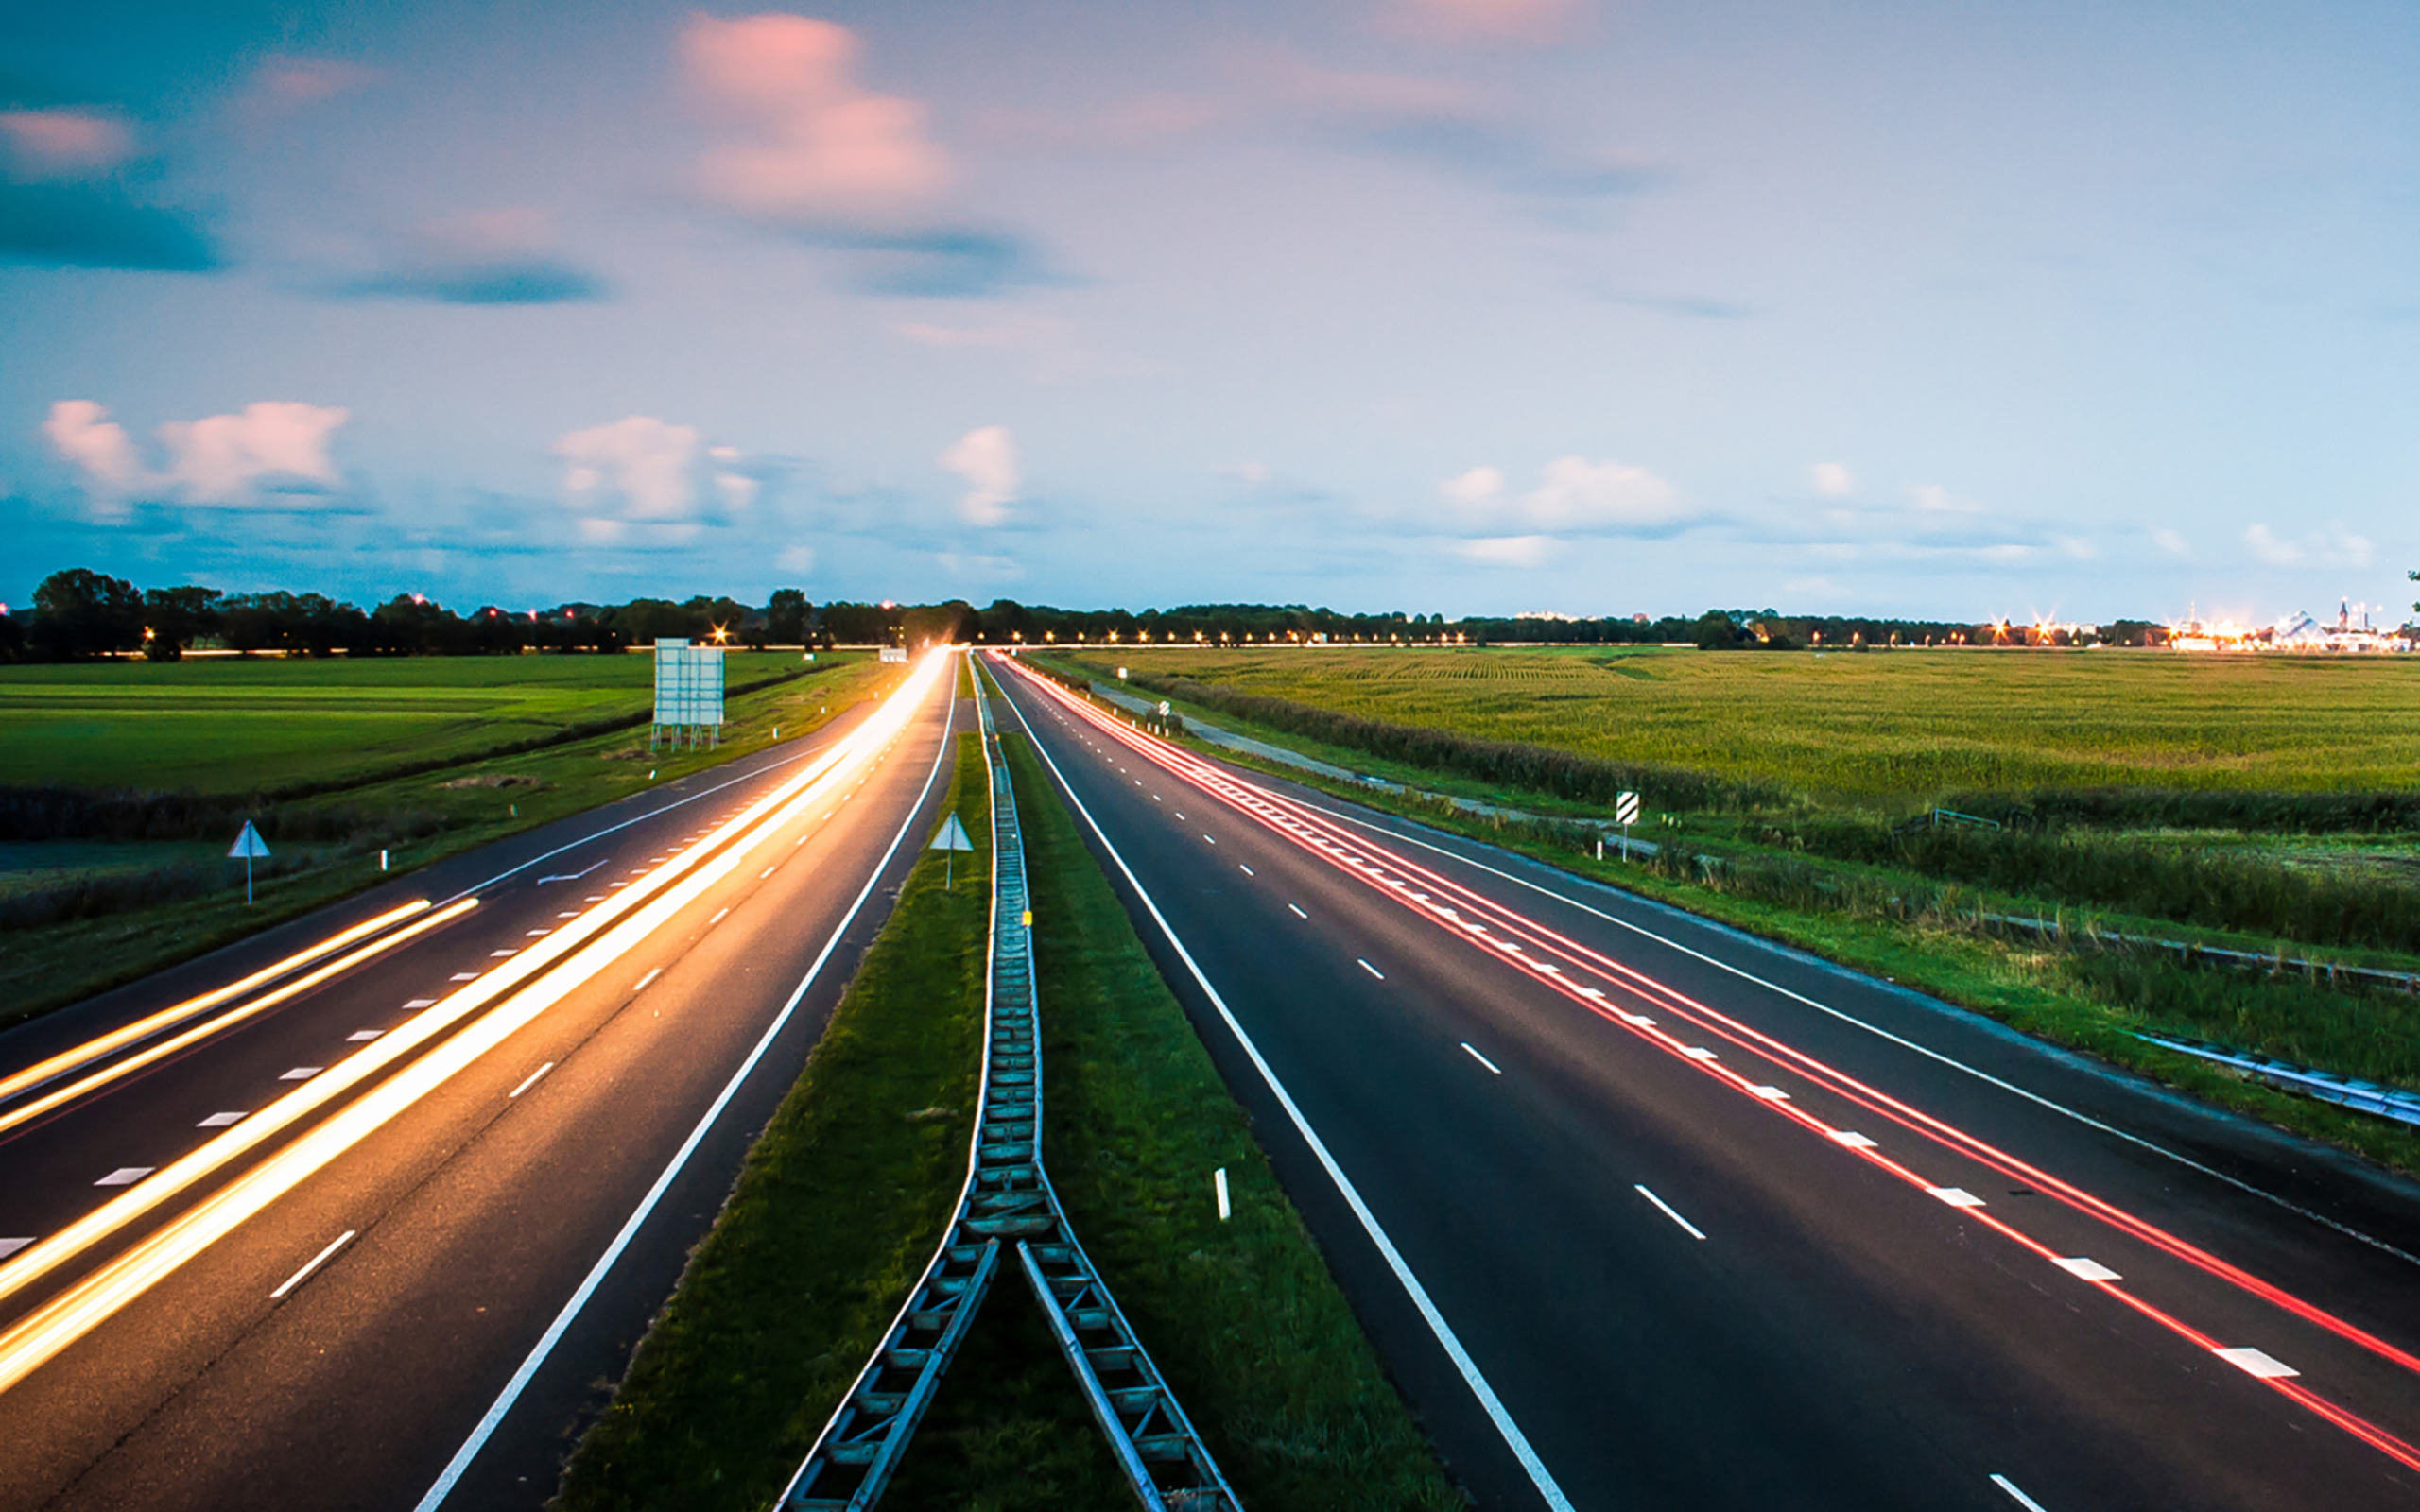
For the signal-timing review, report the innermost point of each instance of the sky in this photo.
(1471, 306)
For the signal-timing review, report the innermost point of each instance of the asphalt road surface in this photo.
(1645, 1212)
(411, 1291)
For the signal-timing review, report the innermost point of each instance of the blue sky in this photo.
(1472, 305)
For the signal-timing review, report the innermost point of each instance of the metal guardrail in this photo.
(2335, 973)
(1007, 1200)
(2365, 1096)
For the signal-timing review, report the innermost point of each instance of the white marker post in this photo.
(952, 838)
(1625, 814)
(1218, 1179)
(248, 844)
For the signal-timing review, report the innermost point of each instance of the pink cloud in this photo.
(814, 144)
(219, 460)
(1499, 20)
(307, 80)
(64, 143)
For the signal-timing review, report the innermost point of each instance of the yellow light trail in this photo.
(169, 1047)
(613, 928)
(92, 1049)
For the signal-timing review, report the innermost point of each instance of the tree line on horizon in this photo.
(78, 615)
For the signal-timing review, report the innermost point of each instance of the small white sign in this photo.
(1164, 708)
(1626, 808)
(952, 836)
(248, 844)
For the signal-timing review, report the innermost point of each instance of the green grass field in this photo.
(1885, 725)
(235, 726)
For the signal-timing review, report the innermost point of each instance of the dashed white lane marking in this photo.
(766, 872)
(2085, 1267)
(1770, 1094)
(362, 1036)
(800, 841)
(498, 955)
(302, 1074)
(219, 1120)
(9, 1247)
(2019, 1497)
(464, 976)
(1206, 837)
(531, 1080)
(593, 898)
(1298, 913)
(1851, 1138)
(125, 1176)
(718, 919)
(536, 934)
(2253, 1363)
(618, 885)
(572, 913)
(1640, 1019)
(1666, 1208)
(1246, 871)
(314, 1263)
(417, 1003)
(1699, 1053)
(1367, 967)
(1955, 1196)
(1483, 1059)
(1180, 817)
(1155, 798)
(650, 977)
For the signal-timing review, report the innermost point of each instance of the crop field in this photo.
(1884, 726)
(236, 726)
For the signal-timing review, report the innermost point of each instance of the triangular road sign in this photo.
(248, 844)
(950, 836)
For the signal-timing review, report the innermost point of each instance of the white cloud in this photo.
(987, 459)
(1933, 499)
(2334, 546)
(799, 559)
(979, 568)
(1254, 474)
(643, 463)
(1479, 485)
(225, 458)
(1578, 494)
(1832, 479)
(1506, 551)
(2080, 547)
(2170, 542)
(737, 491)
(219, 460)
(99, 448)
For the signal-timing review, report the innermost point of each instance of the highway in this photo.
(376, 1228)
(1642, 1211)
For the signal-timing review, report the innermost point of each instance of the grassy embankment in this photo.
(846, 1192)
(135, 780)
(1908, 907)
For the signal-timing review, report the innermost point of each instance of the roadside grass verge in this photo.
(835, 1213)
(421, 818)
(2077, 996)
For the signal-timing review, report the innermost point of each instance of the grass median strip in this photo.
(836, 1210)
(844, 1197)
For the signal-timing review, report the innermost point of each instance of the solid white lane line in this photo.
(1666, 1208)
(1483, 1059)
(651, 976)
(316, 1262)
(125, 1176)
(302, 1074)
(531, 1080)
(1869, 1028)
(555, 1331)
(1298, 913)
(2019, 1497)
(718, 917)
(2085, 1267)
(219, 1120)
(1443, 1331)
(1367, 967)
